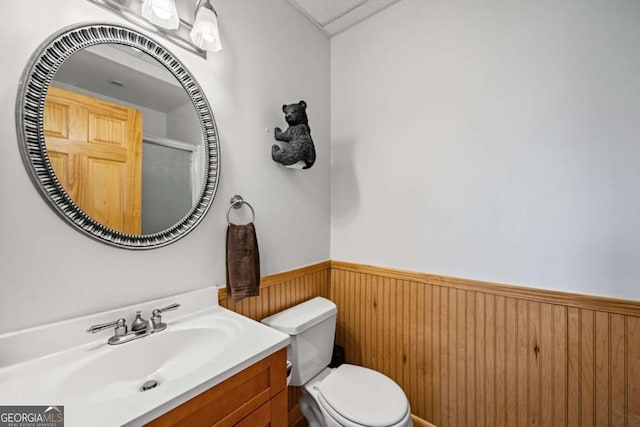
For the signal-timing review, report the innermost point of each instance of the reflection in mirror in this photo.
(124, 139)
(117, 136)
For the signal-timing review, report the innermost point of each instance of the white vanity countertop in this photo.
(98, 384)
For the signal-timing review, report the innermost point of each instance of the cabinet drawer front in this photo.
(231, 401)
(261, 417)
(271, 414)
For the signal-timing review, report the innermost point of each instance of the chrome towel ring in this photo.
(236, 203)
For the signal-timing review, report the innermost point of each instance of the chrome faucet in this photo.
(139, 327)
(156, 317)
(120, 331)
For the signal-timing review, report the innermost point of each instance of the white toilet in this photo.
(347, 396)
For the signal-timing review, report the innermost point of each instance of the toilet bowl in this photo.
(353, 396)
(346, 396)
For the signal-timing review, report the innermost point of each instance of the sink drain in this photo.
(149, 385)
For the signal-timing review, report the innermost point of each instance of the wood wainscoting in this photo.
(278, 292)
(470, 353)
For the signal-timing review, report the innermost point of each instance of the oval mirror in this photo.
(117, 136)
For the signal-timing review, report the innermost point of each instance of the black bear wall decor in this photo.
(297, 145)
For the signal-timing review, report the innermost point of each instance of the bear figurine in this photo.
(297, 144)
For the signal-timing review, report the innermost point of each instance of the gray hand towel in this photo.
(243, 262)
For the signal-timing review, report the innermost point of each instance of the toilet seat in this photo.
(333, 419)
(356, 396)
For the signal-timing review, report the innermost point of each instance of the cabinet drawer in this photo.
(261, 417)
(231, 401)
(271, 414)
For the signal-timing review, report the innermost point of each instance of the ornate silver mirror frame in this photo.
(32, 91)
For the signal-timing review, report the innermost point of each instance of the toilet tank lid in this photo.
(301, 317)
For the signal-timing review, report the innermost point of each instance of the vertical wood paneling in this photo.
(574, 367)
(500, 363)
(371, 357)
(587, 367)
(452, 412)
(352, 302)
(470, 366)
(489, 378)
(511, 365)
(601, 383)
(461, 363)
(386, 318)
(407, 339)
(475, 358)
(425, 366)
(617, 375)
(534, 361)
(522, 363)
(560, 357)
(415, 341)
(547, 378)
(380, 325)
(633, 370)
(443, 397)
(357, 309)
(399, 317)
(436, 351)
(471, 358)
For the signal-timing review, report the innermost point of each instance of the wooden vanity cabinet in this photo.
(255, 397)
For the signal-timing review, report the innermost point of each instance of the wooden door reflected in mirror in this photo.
(95, 149)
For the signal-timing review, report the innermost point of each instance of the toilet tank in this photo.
(311, 326)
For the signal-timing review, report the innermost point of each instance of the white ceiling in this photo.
(141, 80)
(334, 16)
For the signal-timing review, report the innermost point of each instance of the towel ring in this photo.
(236, 203)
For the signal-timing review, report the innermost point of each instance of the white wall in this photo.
(491, 140)
(272, 55)
(183, 125)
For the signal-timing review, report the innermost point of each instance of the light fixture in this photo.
(162, 13)
(197, 32)
(204, 33)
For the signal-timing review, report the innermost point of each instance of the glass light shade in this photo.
(205, 30)
(162, 13)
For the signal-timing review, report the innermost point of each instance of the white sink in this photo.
(195, 352)
(110, 372)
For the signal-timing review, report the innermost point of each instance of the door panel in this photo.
(95, 148)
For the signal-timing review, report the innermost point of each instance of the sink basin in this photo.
(111, 372)
(60, 364)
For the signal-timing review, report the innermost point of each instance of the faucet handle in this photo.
(120, 327)
(156, 318)
(173, 306)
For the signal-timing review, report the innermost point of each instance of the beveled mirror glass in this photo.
(117, 136)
